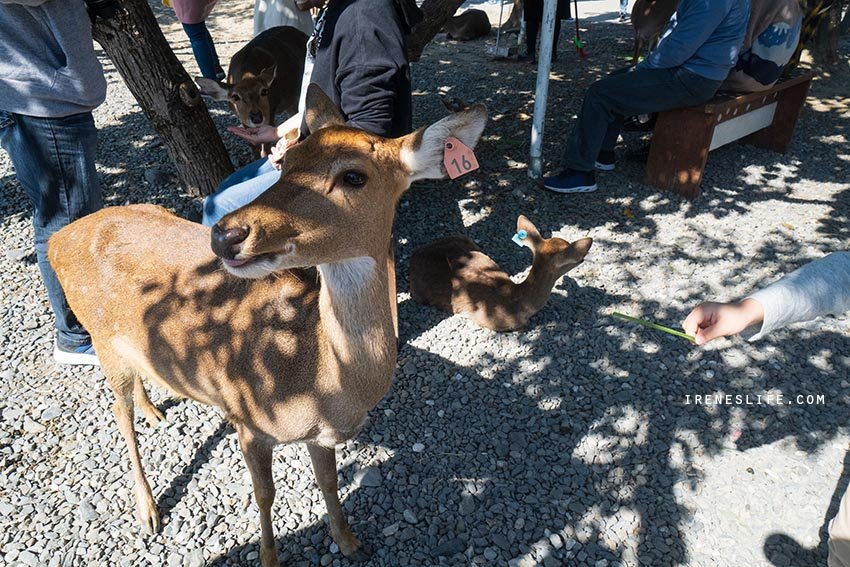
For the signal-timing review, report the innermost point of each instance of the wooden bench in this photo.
(683, 137)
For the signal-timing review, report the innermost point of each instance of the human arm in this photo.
(24, 2)
(819, 288)
(695, 21)
(368, 72)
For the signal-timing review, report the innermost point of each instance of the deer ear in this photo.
(268, 75)
(532, 235)
(218, 91)
(320, 110)
(579, 249)
(422, 151)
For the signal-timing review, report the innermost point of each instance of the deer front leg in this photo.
(324, 467)
(123, 409)
(258, 457)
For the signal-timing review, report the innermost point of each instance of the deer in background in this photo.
(264, 77)
(454, 275)
(244, 326)
(649, 17)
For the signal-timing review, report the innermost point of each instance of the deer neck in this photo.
(357, 322)
(531, 295)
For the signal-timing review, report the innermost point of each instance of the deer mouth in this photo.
(260, 265)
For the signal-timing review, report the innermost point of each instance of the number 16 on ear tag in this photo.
(458, 158)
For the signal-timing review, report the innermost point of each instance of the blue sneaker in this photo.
(571, 181)
(83, 354)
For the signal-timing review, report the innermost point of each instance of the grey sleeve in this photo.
(24, 2)
(819, 288)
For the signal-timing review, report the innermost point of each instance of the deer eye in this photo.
(235, 97)
(264, 92)
(354, 178)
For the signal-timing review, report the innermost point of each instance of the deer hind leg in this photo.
(122, 385)
(152, 414)
(324, 467)
(636, 52)
(258, 457)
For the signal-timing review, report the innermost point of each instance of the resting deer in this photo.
(241, 326)
(454, 275)
(648, 20)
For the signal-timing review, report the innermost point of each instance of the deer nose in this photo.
(225, 242)
(256, 117)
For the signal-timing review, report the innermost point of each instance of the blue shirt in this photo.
(703, 36)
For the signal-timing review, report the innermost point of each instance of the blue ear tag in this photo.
(519, 237)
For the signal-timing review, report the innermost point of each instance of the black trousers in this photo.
(532, 13)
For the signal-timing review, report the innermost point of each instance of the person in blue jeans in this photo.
(192, 15)
(694, 56)
(50, 81)
(624, 10)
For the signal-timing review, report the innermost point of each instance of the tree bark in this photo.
(166, 94)
(435, 15)
(824, 45)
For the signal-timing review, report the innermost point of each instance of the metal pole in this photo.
(544, 63)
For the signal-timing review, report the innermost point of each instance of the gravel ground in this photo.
(572, 443)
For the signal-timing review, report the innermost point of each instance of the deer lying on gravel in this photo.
(470, 25)
(243, 327)
(264, 77)
(454, 275)
(649, 17)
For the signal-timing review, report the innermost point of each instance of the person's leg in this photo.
(54, 159)
(839, 535)
(624, 8)
(555, 39)
(204, 50)
(640, 91)
(533, 14)
(239, 189)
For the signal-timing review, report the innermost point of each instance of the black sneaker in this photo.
(605, 160)
(83, 354)
(571, 181)
(526, 58)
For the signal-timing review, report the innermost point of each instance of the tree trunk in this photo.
(166, 94)
(435, 15)
(824, 45)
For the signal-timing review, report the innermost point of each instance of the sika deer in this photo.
(264, 77)
(454, 275)
(649, 17)
(285, 358)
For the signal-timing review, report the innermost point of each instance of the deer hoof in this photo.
(147, 513)
(153, 416)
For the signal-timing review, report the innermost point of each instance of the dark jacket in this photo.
(361, 64)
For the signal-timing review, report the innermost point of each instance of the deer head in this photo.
(248, 96)
(337, 194)
(558, 255)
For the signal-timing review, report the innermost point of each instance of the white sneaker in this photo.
(80, 355)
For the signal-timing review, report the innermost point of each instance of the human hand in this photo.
(280, 148)
(265, 134)
(711, 320)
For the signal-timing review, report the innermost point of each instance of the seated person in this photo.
(360, 61)
(772, 37)
(694, 56)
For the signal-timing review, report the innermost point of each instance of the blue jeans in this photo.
(54, 159)
(204, 49)
(239, 189)
(624, 6)
(629, 92)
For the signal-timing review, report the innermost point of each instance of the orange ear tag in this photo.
(458, 158)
